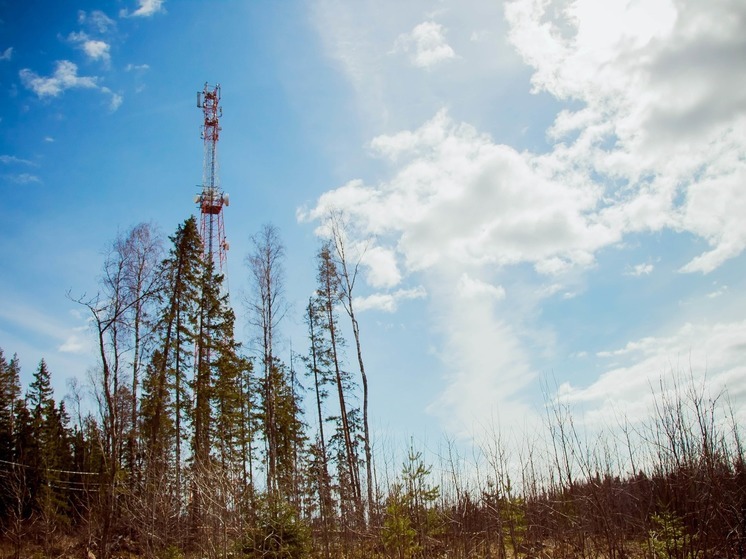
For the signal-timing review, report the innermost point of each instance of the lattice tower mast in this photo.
(212, 199)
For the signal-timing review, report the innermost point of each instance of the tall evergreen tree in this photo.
(10, 392)
(10, 402)
(165, 394)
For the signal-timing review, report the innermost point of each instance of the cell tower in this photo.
(212, 199)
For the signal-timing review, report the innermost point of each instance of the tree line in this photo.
(196, 447)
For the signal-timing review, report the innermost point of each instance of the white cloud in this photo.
(718, 292)
(97, 50)
(66, 338)
(388, 302)
(136, 67)
(459, 197)
(641, 270)
(652, 138)
(146, 8)
(93, 48)
(426, 45)
(661, 89)
(75, 344)
(65, 77)
(13, 160)
(474, 288)
(383, 271)
(97, 20)
(115, 101)
(359, 39)
(485, 363)
(23, 178)
(714, 352)
(7, 54)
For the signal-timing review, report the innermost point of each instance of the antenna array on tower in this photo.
(212, 199)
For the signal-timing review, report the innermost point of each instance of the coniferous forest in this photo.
(190, 445)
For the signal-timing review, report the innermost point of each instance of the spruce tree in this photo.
(10, 391)
(165, 398)
(10, 401)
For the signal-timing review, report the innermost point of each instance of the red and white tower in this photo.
(212, 198)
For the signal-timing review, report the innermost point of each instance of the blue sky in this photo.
(551, 193)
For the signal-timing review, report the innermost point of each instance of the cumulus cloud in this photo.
(388, 302)
(652, 138)
(459, 197)
(426, 45)
(97, 50)
(93, 48)
(65, 77)
(145, 8)
(383, 271)
(661, 95)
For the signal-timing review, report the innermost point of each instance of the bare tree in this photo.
(128, 283)
(347, 269)
(267, 307)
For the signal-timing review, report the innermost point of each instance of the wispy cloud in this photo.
(426, 45)
(97, 21)
(136, 67)
(115, 101)
(66, 338)
(65, 77)
(722, 290)
(146, 8)
(13, 160)
(7, 54)
(23, 178)
(714, 352)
